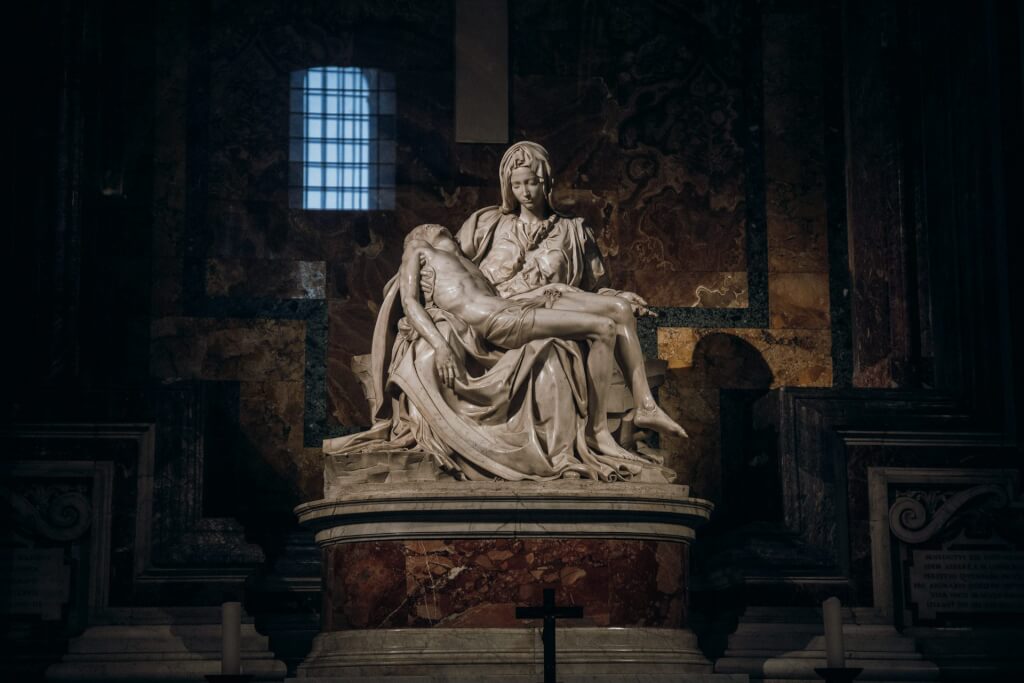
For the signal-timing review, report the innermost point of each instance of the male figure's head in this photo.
(518, 157)
(435, 235)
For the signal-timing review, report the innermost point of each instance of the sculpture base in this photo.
(421, 581)
(507, 654)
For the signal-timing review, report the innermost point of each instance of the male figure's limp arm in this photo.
(448, 364)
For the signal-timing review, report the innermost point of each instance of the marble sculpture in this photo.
(496, 351)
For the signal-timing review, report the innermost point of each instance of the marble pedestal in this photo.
(421, 581)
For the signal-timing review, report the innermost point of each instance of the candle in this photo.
(231, 638)
(835, 655)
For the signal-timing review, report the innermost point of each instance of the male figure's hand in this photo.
(449, 365)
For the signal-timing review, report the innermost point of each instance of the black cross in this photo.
(549, 612)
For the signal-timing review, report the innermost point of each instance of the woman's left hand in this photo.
(638, 303)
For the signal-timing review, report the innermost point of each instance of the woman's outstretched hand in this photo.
(639, 304)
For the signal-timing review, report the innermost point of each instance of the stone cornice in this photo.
(577, 509)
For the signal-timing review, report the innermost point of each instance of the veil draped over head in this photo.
(534, 157)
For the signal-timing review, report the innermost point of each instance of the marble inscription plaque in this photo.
(966, 582)
(37, 581)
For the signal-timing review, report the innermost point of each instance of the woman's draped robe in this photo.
(519, 414)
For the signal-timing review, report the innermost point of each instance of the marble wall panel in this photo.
(479, 583)
(799, 301)
(704, 362)
(789, 357)
(651, 113)
(266, 278)
(714, 289)
(794, 140)
(169, 152)
(796, 350)
(202, 348)
(271, 412)
(355, 336)
(271, 423)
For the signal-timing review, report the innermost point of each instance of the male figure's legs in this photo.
(628, 352)
(600, 332)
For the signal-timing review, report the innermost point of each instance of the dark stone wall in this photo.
(654, 118)
(813, 194)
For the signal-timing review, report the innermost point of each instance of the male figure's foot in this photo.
(650, 416)
(605, 444)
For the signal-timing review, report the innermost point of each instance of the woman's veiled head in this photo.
(532, 156)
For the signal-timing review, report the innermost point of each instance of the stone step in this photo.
(150, 671)
(537, 678)
(166, 656)
(796, 668)
(787, 644)
(154, 644)
(136, 648)
(783, 642)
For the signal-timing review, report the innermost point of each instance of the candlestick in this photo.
(231, 638)
(834, 650)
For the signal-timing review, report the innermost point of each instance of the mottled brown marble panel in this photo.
(266, 278)
(703, 362)
(225, 349)
(798, 300)
(350, 331)
(793, 357)
(271, 421)
(686, 289)
(879, 239)
(479, 583)
(271, 412)
(794, 141)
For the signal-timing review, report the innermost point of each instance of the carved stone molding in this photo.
(373, 512)
(62, 516)
(54, 514)
(914, 515)
(172, 541)
(918, 516)
(816, 429)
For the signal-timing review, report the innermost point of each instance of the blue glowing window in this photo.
(342, 149)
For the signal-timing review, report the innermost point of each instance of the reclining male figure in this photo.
(454, 284)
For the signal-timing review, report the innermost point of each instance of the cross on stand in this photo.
(549, 611)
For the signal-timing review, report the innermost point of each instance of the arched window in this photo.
(342, 150)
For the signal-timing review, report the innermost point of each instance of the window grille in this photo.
(342, 149)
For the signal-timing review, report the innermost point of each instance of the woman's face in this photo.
(528, 189)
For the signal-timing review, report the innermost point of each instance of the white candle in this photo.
(231, 638)
(834, 651)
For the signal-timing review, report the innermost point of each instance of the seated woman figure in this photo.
(457, 286)
(526, 244)
(523, 408)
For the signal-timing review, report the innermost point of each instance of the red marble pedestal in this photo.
(479, 583)
(422, 580)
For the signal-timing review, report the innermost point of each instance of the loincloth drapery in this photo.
(510, 327)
